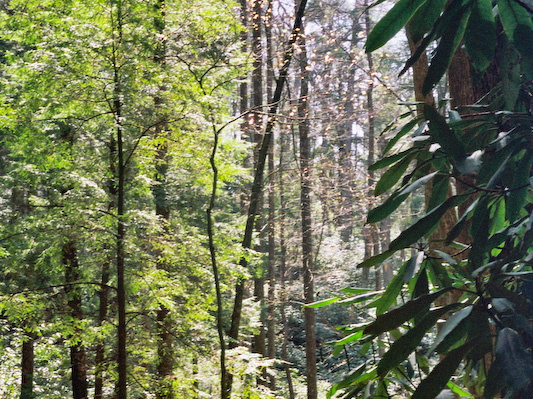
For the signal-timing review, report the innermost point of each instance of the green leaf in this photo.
(439, 190)
(424, 225)
(518, 27)
(433, 384)
(412, 266)
(385, 301)
(391, 23)
(376, 259)
(514, 359)
(350, 338)
(396, 317)
(323, 302)
(424, 18)
(480, 35)
(384, 162)
(359, 298)
(443, 134)
(395, 200)
(407, 343)
(402, 132)
(393, 174)
(382, 211)
(516, 198)
(451, 324)
(450, 40)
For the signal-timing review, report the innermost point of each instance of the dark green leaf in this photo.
(384, 162)
(480, 35)
(443, 134)
(451, 324)
(450, 40)
(495, 383)
(518, 27)
(412, 266)
(396, 317)
(439, 190)
(396, 199)
(424, 18)
(407, 343)
(385, 301)
(393, 174)
(382, 211)
(516, 198)
(391, 23)
(402, 132)
(433, 384)
(376, 259)
(514, 358)
(424, 225)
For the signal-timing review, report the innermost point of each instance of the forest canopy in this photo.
(266, 199)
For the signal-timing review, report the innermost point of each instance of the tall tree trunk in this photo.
(103, 295)
(257, 184)
(165, 350)
(307, 229)
(122, 361)
(78, 358)
(282, 273)
(271, 319)
(259, 344)
(27, 366)
(99, 360)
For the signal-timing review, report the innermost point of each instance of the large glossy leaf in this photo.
(393, 174)
(396, 199)
(443, 134)
(376, 259)
(433, 384)
(382, 211)
(514, 359)
(402, 132)
(450, 40)
(391, 23)
(386, 161)
(518, 27)
(424, 18)
(480, 35)
(424, 225)
(451, 325)
(385, 301)
(516, 197)
(396, 317)
(407, 343)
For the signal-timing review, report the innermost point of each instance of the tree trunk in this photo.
(257, 184)
(282, 273)
(307, 230)
(165, 350)
(78, 358)
(27, 366)
(99, 361)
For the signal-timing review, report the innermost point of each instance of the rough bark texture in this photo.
(78, 358)
(27, 367)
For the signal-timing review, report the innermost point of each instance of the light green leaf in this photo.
(323, 302)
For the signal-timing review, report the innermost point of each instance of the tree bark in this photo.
(27, 366)
(257, 184)
(307, 228)
(78, 358)
(282, 273)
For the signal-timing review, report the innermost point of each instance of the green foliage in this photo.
(482, 279)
